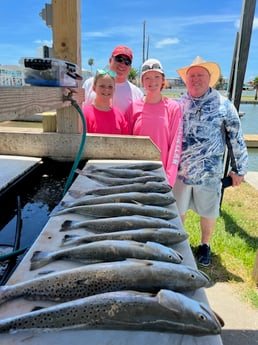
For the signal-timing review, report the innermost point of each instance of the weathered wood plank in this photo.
(28, 100)
(65, 146)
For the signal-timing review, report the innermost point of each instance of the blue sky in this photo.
(178, 30)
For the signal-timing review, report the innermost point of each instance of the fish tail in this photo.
(67, 224)
(69, 239)
(40, 259)
(75, 194)
(4, 294)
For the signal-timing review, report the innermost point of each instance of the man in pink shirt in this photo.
(158, 117)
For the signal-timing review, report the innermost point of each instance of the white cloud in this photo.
(255, 23)
(95, 34)
(44, 42)
(166, 42)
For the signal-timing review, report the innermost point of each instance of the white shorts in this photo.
(203, 200)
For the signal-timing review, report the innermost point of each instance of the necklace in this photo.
(197, 107)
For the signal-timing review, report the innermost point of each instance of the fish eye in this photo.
(193, 276)
(202, 317)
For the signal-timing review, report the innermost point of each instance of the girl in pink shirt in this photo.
(158, 117)
(100, 116)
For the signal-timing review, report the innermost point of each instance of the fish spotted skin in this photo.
(167, 311)
(154, 199)
(116, 209)
(108, 250)
(164, 236)
(113, 181)
(148, 187)
(117, 223)
(130, 274)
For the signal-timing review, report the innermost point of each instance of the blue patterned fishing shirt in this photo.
(204, 139)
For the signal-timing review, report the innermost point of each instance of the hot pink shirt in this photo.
(163, 123)
(105, 122)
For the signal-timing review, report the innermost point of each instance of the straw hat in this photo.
(212, 67)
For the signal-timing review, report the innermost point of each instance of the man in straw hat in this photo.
(208, 119)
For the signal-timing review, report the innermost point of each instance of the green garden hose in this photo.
(83, 140)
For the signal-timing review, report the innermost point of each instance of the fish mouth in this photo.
(219, 321)
(209, 283)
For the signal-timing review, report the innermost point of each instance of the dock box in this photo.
(50, 72)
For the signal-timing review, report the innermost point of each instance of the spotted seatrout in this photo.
(116, 209)
(117, 223)
(166, 311)
(148, 187)
(108, 250)
(156, 199)
(113, 181)
(122, 172)
(164, 236)
(130, 274)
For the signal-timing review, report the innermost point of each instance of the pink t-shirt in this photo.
(163, 123)
(105, 122)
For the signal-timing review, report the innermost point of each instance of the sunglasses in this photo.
(105, 71)
(154, 66)
(121, 59)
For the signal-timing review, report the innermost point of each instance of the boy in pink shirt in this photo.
(158, 117)
(101, 117)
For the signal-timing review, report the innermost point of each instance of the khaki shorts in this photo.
(203, 200)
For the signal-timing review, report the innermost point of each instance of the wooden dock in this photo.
(251, 140)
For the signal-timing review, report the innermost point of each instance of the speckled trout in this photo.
(114, 181)
(107, 250)
(117, 223)
(122, 172)
(166, 311)
(130, 274)
(148, 187)
(155, 199)
(164, 236)
(116, 209)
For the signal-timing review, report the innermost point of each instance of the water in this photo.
(35, 196)
(250, 126)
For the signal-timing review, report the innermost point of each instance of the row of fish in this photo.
(131, 278)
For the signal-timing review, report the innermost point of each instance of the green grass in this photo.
(176, 94)
(234, 242)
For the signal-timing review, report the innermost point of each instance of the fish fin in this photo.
(137, 202)
(156, 245)
(169, 300)
(42, 273)
(37, 307)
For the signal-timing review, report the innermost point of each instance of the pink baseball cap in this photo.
(123, 50)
